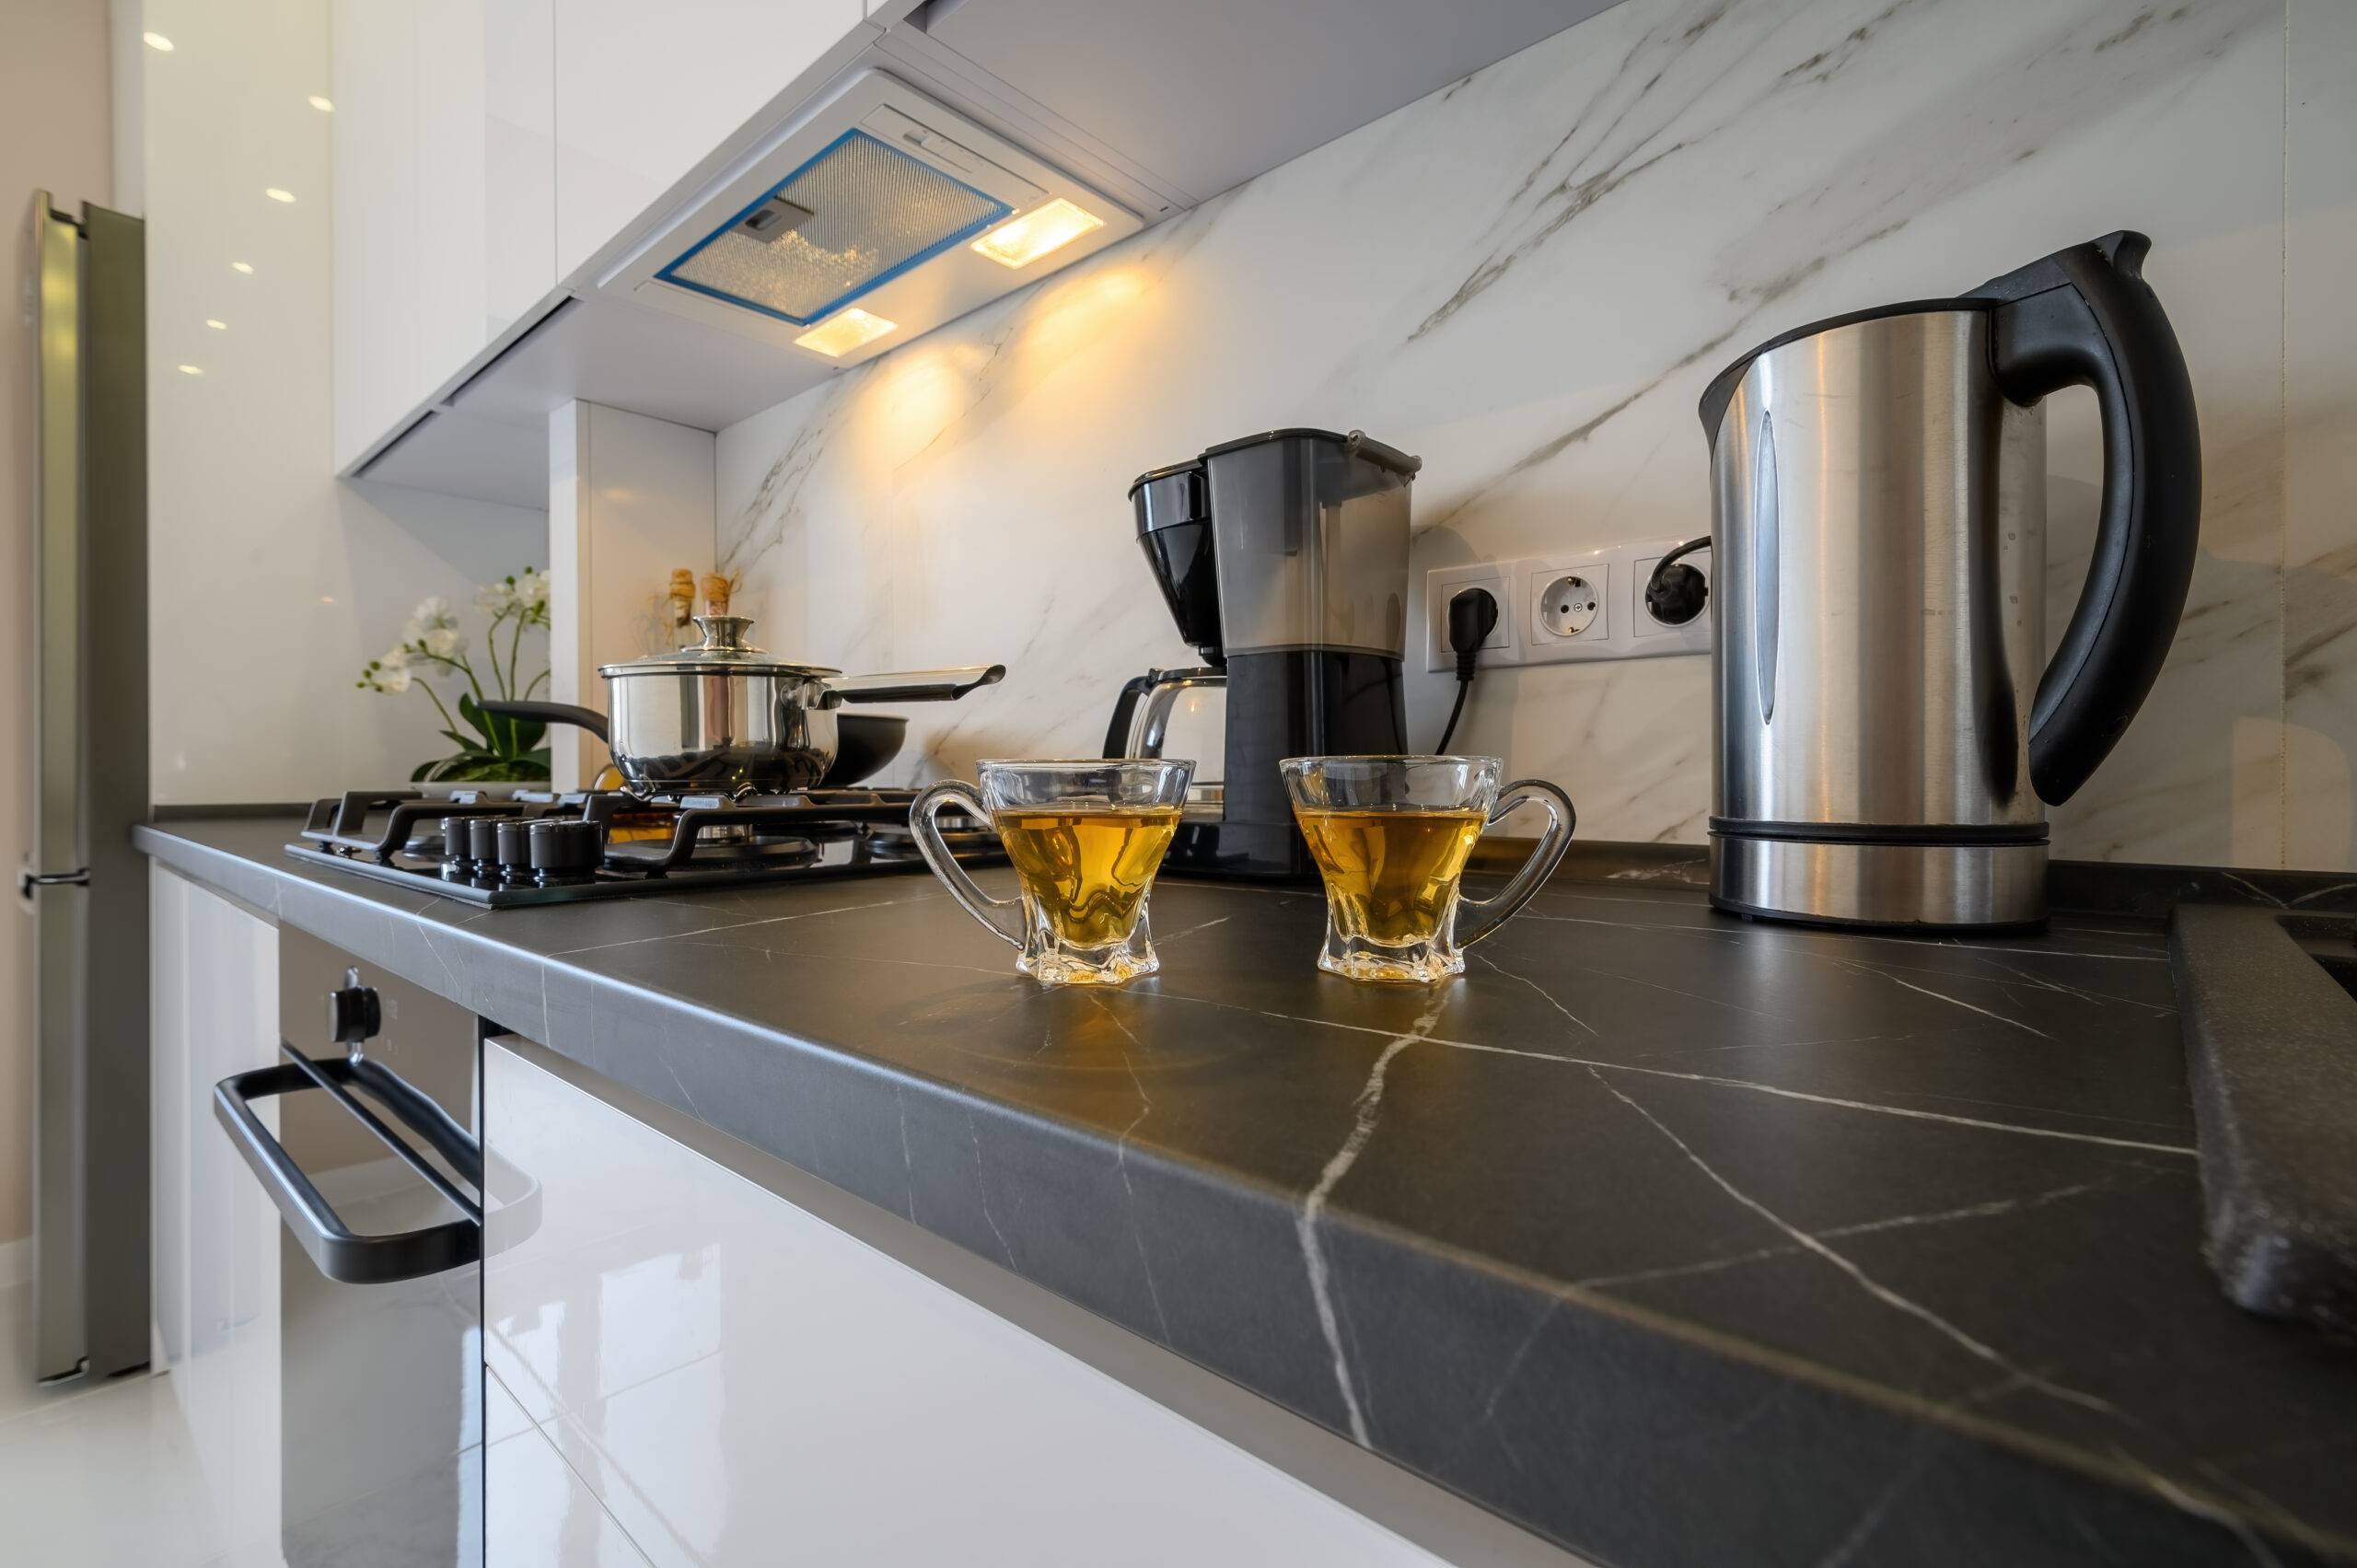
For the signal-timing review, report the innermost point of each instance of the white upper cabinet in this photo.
(644, 92)
(451, 242)
(519, 158)
(381, 364)
(445, 194)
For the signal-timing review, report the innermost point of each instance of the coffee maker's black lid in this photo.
(1165, 498)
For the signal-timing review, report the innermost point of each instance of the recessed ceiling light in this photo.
(192, 370)
(158, 43)
(325, 106)
(1021, 241)
(277, 194)
(217, 325)
(245, 267)
(839, 334)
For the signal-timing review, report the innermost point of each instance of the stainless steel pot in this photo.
(725, 717)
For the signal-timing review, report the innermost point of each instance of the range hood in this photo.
(874, 217)
(920, 169)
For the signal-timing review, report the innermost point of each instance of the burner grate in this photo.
(675, 842)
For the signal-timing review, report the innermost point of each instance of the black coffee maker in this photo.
(1283, 557)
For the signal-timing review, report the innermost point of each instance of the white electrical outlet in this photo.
(1692, 636)
(1443, 584)
(1592, 605)
(1564, 606)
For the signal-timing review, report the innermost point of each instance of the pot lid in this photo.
(722, 650)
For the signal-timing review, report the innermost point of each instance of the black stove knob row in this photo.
(560, 847)
(509, 846)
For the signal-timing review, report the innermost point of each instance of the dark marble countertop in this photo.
(1673, 1238)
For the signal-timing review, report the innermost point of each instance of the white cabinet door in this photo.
(519, 158)
(644, 92)
(446, 194)
(381, 369)
(214, 1001)
(450, 245)
(739, 1382)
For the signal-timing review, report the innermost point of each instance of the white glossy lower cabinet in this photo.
(737, 1381)
(213, 1004)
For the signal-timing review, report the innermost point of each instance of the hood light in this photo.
(1021, 241)
(838, 335)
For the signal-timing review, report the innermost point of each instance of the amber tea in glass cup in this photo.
(1391, 836)
(1085, 838)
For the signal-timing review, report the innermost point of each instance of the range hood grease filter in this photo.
(872, 212)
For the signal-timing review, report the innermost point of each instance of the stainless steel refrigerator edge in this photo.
(85, 885)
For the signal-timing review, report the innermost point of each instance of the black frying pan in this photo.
(864, 743)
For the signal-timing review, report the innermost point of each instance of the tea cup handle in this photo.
(1478, 917)
(963, 888)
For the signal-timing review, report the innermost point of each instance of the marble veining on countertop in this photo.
(1671, 1237)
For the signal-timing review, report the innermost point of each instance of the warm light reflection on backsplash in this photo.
(1539, 335)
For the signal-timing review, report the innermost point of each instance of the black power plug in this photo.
(1676, 593)
(1473, 616)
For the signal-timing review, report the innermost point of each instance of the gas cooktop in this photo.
(502, 846)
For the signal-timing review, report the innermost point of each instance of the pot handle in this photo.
(915, 685)
(589, 719)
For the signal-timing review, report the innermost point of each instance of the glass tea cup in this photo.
(1391, 836)
(1085, 838)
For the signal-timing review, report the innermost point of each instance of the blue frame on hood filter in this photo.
(998, 210)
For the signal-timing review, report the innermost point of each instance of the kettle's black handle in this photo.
(2085, 317)
(1125, 709)
(589, 719)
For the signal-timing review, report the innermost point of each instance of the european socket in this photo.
(1553, 595)
(1571, 606)
(1443, 584)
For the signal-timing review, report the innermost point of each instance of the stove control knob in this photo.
(353, 1011)
(456, 843)
(483, 840)
(512, 848)
(567, 848)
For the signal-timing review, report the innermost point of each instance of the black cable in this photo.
(1464, 684)
(1473, 616)
(1689, 548)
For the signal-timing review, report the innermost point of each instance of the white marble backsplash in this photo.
(1527, 279)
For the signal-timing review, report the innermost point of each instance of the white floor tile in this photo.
(539, 1512)
(101, 1475)
(103, 1479)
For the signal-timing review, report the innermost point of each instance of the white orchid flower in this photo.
(397, 659)
(393, 678)
(532, 587)
(443, 642)
(495, 599)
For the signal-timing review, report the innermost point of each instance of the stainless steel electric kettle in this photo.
(1888, 732)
